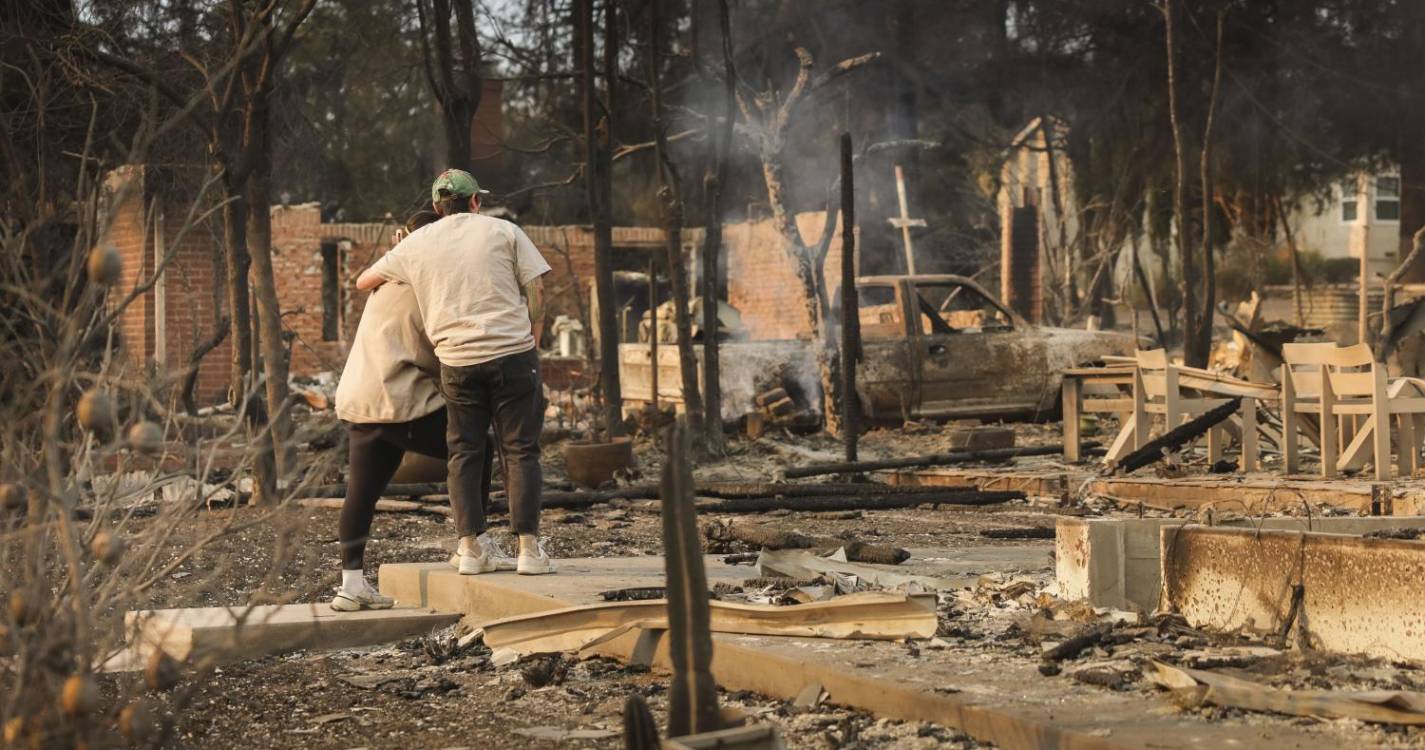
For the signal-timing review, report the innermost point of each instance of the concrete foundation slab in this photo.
(1116, 562)
(1358, 596)
(230, 634)
(1005, 703)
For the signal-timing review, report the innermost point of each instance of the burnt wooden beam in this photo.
(850, 308)
(692, 691)
(1025, 532)
(859, 502)
(1175, 438)
(936, 459)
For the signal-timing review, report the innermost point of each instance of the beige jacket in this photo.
(392, 374)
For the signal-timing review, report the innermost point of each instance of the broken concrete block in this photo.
(1358, 595)
(981, 438)
(1116, 562)
(234, 633)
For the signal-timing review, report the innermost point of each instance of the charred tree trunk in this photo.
(1147, 288)
(829, 364)
(195, 364)
(274, 352)
(226, 144)
(1203, 337)
(712, 242)
(457, 87)
(258, 83)
(1296, 279)
(1194, 348)
(812, 282)
(237, 264)
(850, 308)
(597, 186)
(670, 191)
(774, 113)
(1194, 224)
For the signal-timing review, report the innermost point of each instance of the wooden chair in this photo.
(1306, 404)
(1357, 386)
(1156, 390)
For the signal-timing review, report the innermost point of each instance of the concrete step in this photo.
(231, 634)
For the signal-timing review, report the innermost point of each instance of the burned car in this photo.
(934, 347)
(943, 347)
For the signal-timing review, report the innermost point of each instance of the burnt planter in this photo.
(590, 464)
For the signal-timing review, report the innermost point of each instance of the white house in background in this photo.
(1362, 211)
(1039, 217)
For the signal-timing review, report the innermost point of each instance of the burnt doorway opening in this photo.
(331, 290)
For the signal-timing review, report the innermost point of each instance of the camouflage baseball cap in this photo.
(455, 182)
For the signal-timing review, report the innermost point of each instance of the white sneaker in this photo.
(502, 557)
(492, 557)
(534, 562)
(473, 565)
(370, 598)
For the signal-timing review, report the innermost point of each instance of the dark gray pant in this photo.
(506, 391)
(374, 452)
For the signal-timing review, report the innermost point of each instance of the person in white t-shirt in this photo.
(389, 399)
(478, 283)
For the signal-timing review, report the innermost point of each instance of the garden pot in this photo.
(590, 464)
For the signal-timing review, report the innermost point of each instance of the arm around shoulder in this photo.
(369, 279)
(386, 268)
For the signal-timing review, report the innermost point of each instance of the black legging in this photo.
(374, 452)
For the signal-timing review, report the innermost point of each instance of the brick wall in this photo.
(761, 281)
(127, 234)
(761, 278)
(298, 235)
(193, 298)
(569, 251)
(163, 326)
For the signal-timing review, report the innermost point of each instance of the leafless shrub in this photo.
(112, 499)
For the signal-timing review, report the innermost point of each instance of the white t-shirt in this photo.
(466, 271)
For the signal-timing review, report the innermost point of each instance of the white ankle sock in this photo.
(470, 545)
(353, 581)
(529, 543)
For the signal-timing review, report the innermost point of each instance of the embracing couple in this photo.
(446, 348)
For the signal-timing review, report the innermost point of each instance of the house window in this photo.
(1388, 198)
(1350, 193)
(331, 292)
